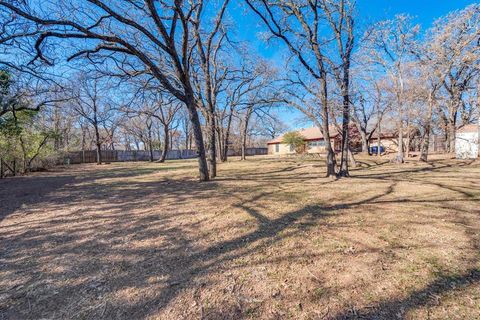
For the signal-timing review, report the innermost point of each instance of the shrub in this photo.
(295, 140)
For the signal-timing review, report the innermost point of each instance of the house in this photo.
(388, 142)
(315, 143)
(466, 142)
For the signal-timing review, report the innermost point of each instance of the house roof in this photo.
(309, 134)
(468, 128)
(383, 135)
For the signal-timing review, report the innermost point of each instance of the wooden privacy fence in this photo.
(248, 152)
(90, 156)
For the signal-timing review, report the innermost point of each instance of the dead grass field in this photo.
(269, 239)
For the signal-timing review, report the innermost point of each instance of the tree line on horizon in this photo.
(99, 73)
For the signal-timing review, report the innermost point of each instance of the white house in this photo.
(466, 142)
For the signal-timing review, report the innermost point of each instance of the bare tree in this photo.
(151, 103)
(446, 59)
(136, 132)
(361, 116)
(299, 25)
(186, 129)
(92, 104)
(209, 80)
(166, 116)
(478, 114)
(390, 43)
(340, 17)
(369, 103)
(149, 37)
(249, 89)
(457, 44)
(272, 126)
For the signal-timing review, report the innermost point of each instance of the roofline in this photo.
(469, 128)
(385, 137)
(307, 140)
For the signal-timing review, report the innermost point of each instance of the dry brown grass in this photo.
(269, 239)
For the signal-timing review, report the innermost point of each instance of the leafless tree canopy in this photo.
(163, 75)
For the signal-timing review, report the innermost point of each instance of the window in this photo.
(320, 143)
(292, 148)
(277, 148)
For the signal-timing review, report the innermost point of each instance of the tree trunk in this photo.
(212, 147)
(345, 138)
(426, 137)
(455, 102)
(243, 155)
(99, 153)
(24, 155)
(362, 131)
(407, 144)
(244, 146)
(451, 134)
(83, 144)
(150, 147)
(330, 160)
(197, 135)
(352, 157)
(57, 137)
(150, 144)
(220, 140)
(98, 144)
(166, 141)
(379, 134)
(400, 154)
(478, 133)
(245, 132)
(227, 135)
(363, 137)
(478, 115)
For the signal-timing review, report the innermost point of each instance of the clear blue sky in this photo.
(369, 11)
(424, 12)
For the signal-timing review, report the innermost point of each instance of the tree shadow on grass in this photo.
(129, 172)
(176, 260)
(20, 191)
(17, 192)
(398, 308)
(386, 310)
(97, 261)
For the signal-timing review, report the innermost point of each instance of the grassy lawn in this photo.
(270, 239)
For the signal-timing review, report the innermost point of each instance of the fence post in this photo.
(1, 168)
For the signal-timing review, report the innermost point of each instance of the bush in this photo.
(295, 140)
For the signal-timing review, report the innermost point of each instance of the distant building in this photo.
(466, 142)
(314, 142)
(388, 142)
